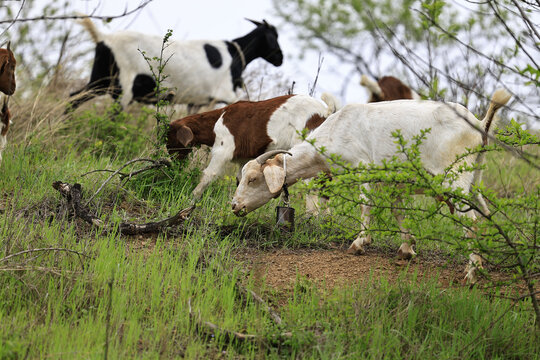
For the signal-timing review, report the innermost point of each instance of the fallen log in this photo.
(73, 195)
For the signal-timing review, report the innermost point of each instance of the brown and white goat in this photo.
(388, 88)
(7, 86)
(244, 130)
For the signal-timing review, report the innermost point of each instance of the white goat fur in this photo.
(187, 65)
(282, 128)
(362, 134)
(3, 141)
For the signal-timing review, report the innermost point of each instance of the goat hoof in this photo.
(471, 278)
(406, 252)
(356, 250)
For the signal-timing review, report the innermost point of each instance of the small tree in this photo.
(507, 236)
(157, 66)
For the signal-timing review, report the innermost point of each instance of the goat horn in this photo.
(254, 22)
(267, 155)
(8, 45)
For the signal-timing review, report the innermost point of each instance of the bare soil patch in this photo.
(333, 267)
(280, 268)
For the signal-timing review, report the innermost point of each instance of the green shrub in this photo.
(114, 134)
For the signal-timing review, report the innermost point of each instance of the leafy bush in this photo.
(505, 236)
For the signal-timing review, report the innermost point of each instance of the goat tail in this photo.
(89, 25)
(331, 102)
(372, 86)
(498, 100)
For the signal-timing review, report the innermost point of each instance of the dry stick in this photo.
(60, 57)
(74, 197)
(156, 164)
(68, 17)
(319, 66)
(47, 249)
(14, 20)
(275, 316)
(118, 171)
(210, 328)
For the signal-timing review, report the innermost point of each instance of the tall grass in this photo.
(92, 295)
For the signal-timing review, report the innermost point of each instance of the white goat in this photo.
(361, 133)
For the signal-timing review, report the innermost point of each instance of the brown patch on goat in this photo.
(247, 121)
(202, 127)
(393, 89)
(5, 116)
(314, 121)
(7, 72)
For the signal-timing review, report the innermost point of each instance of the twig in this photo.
(158, 163)
(73, 195)
(14, 20)
(58, 272)
(211, 329)
(319, 66)
(273, 314)
(70, 17)
(44, 249)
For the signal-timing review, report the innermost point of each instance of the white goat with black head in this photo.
(199, 71)
(361, 133)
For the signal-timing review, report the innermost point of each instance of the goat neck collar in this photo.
(240, 54)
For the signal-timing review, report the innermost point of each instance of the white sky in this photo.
(225, 20)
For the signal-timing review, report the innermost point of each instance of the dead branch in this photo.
(71, 17)
(42, 250)
(155, 164)
(319, 66)
(210, 328)
(273, 314)
(73, 195)
(43, 269)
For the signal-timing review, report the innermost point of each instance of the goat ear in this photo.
(275, 177)
(184, 135)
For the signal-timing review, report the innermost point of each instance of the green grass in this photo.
(55, 304)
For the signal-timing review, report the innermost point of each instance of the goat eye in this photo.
(250, 180)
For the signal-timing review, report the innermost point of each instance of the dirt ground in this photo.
(281, 267)
(333, 267)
